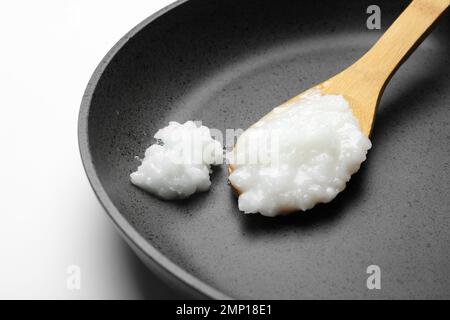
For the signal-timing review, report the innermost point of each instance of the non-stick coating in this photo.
(227, 63)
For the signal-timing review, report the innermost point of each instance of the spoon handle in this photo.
(400, 40)
(363, 83)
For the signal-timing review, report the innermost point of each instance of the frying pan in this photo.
(227, 63)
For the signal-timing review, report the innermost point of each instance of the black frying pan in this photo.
(228, 62)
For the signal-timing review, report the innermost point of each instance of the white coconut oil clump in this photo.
(179, 165)
(301, 154)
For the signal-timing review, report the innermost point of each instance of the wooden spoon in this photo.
(363, 83)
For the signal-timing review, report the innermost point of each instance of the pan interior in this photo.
(227, 63)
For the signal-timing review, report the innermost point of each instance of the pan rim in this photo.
(165, 266)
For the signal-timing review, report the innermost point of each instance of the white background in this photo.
(50, 218)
